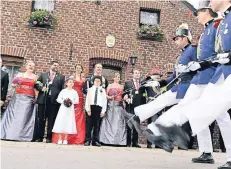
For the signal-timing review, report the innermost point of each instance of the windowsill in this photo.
(142, 36)
(45, 26)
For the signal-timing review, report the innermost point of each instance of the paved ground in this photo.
(16, 155)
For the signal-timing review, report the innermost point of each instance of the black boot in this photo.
(177, 134)
(136, 124)
(128, 118)
(160, 141)
(226, 166)
(204, 158)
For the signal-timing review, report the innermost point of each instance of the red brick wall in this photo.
(86, 25)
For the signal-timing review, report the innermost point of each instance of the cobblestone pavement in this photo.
(17, 155)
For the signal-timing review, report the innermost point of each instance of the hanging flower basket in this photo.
(150, 32)
(42, 18)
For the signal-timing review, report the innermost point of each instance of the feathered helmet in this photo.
(183, 31)
(205, 4)
(67, 102)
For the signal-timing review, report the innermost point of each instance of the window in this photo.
(11, 65)
(149, 16)
(12, 71)
(43, 5)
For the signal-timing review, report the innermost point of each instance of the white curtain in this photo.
(44, 4)
(148, 18)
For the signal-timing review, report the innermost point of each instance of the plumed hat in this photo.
(183, 31)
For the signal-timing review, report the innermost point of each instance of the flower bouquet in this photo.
(67, 102)
(42, 18)
(151, 32)
(16, 80)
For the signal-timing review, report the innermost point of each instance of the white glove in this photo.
(193, 66)
(182, 68)
(152, 84)
(223, 55)
(222, 61)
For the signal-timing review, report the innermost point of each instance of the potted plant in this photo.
(42, 18)
(152, 32)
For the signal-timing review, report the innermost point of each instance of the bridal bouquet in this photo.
(67, 102)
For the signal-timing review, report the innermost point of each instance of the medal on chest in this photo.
(226, 29)
(208, 32)
(136, 92)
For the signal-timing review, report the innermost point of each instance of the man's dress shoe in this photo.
(87, 143)
(136, 145)
(97, 144)
(204, 158)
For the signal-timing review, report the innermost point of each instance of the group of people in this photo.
(59, 102)
(200, 95)
(202, 89)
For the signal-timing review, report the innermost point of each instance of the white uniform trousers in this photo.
(173, 117)
(150, 109)
(214, 101)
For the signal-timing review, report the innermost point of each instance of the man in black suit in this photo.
(4, 84)
(97, 71)
(51, 83)
(133, 98)
(98, 68)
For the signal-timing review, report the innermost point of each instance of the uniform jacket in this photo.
(206, 51)
(223, 45)
(188, 54)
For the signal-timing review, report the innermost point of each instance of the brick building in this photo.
(80, 35)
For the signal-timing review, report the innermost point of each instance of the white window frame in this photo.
(48, 5)
(153, 14)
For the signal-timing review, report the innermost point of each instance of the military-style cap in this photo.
(204, 4)
(183, 31)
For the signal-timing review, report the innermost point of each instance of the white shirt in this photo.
(101, 98)
(134, 81)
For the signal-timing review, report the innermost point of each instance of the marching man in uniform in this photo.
(189, 53)
(206, 50)
(215, 101)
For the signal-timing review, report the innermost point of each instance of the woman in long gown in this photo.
(78, 138)
(113, 127)
(18, 121)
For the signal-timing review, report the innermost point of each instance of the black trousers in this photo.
(93, 122)
(187, 128)
(153, 119)
(132, 136)
(49, 112)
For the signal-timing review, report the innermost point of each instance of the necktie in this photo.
(137, 85)
(52, 76)
(96, 94)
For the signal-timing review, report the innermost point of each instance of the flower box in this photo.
(151, 33)
(42, 18)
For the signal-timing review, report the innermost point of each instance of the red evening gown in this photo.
(78, 138)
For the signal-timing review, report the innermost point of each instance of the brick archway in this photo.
(112, 65)
(14, 51)
(120, 55)
(111, 59)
